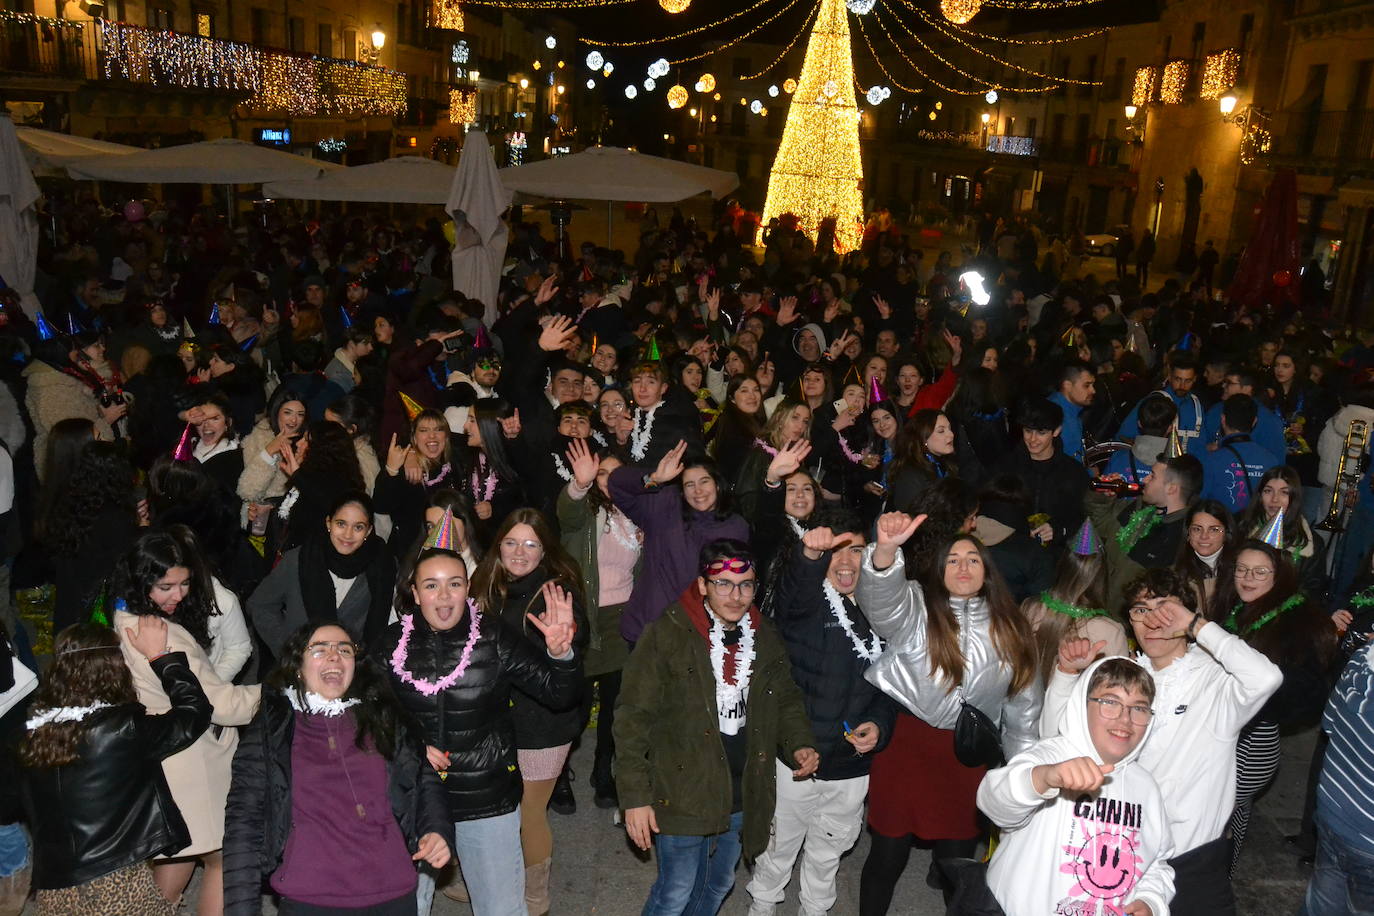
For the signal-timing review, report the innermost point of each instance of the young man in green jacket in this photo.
(707, 702)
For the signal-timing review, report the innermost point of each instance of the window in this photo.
(1009, 126)
(205, 25)
(1247, 30)
(1199, 36)
(261, 26)
(326, 40)
(295, 34)
(160, 18)
(1030, 127)
(350, 45)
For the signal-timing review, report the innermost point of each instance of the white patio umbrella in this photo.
(18, 218)
(476, 201)
(403, 180)
(611, 173)
(210, 162)
(48, 152)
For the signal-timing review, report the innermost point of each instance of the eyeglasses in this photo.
(727, 587)
(513, 544)
(1259, 573)
(1111, 709)
(1210, 529)
(612, 408)
(322, 649)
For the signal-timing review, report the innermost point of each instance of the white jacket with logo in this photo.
(1202, 701)
(1078, 854)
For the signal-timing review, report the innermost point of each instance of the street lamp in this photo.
(1130, 112)
(1227, 103)
(378, 38)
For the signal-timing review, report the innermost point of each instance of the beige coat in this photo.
(262, 477)
(52, 397)
(199, 775)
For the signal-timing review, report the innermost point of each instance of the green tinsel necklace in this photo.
(1070, 610)
(1140, 524)
(1233, 621)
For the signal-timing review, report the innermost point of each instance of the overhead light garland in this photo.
(1144, 87)
(877, 59)
(462, 106)
(737, 39)
(952, 34)
(1048, 40)
(1173, 83)
(546, 4)
(634, 43)
(805, 28)
(1219, 73)
(44, 21)
(447, 14)
(817, 175)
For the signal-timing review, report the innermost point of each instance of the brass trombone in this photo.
(1354, 458)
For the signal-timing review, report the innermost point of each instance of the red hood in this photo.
(695, 608)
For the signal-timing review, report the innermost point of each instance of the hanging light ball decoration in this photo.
(550, 42)
(595, 60)
(608, 69)
(698, 86)
(677, 96)
(830, 89)
(659, 68)
(675, 6)
(591, 84)
(756, 106)
(991, 97)
(773, 90)
(649, 84)
(631, 91)
(789, 85)
(960, 12)
(860, 7)
(708, 82)
(876, 95)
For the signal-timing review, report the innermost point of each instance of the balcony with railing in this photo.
(267, 80)
(1322, 141)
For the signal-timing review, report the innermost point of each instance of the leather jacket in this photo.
(111, 807)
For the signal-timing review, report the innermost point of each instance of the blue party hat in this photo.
(247, 345)
(1273, 533)
(1087, 543)
(345, 318)
(45, 331)
(73, 326)
(214, 314)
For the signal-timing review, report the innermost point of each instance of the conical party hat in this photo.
(852, 377)
(480, 340)
(1086, 543)
(1174, 448)
(441, 535)
(875, 392)
(247, 345)
(653, 350)
(73, 326)
(1273, 533)
(412, 406)
(183, 450)
(345, 319)
(214, 314)
(45, 331)
(595, 343)
(1067, 337)
(186, 330)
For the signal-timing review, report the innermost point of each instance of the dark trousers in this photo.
(401, 906)
(1201, 884)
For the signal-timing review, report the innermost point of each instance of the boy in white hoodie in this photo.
(1084, 832)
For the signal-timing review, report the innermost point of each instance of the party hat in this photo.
(45, 331)
(413, 407)
(875, 391)
(1273, 533)
(1187, 342)
(480, 340)
(345, 319)
(1086, 543)
(595, 343)
(1067, 337)
(653, 350)
(441, 535)
(214, 314)
(186, 330)
(183, 449)
(73, 326)
(852, 377)
(1174, 448)
(247, 345)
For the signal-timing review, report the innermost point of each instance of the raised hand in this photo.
(1081, 774)
(583, 463)
(838, 344)
(807, 762)
(670, 465)
(956, 345)
(1076, 653)
(395, 455)
(556, 333)
(787, 310)
(831, 310)
(713, 305)
(787, 460)
(817, 541)
(896, 528)
(547, 290)
(556, 622)
(291, 458)
(884, 309)
(510, 426)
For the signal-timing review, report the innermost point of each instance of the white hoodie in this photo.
(1082, 854)
(1202, 701)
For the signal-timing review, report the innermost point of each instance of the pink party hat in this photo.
(441, 535)
(875, 392)
(1273, 532)
(183, 449)
(1086, 543)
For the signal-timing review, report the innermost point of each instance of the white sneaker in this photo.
(762, 908)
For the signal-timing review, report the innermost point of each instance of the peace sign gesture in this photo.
(884, 310)
(557, 622)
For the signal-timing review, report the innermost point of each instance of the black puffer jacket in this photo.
(257, 816)
(111, 808)
(472, 720)
(540, 722)
(826, 667)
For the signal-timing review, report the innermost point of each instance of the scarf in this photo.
(695, 608)
(318, 559)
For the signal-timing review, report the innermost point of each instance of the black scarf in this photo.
(318, 559)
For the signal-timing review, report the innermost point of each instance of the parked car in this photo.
(1103, 244)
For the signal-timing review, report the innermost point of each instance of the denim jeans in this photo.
(1342, 882)
(493, 867)
(695, 873)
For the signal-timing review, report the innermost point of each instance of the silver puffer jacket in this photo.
(896, 610)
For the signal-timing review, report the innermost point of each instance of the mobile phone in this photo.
(840, 405)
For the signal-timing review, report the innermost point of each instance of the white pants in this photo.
(827, 816)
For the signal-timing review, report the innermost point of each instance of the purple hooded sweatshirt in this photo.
(671, 545)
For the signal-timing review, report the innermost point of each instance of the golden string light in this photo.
(817, 175)
(737, 39)
(1143, 89)
(546, 4)
(1173, 83)
(44, 21)
(1038, 4)
(462, 106)
(675, 6)
(687, 34)
(951, 33)
(877, 58)
(448, 14)
(1007, 39)
(960, 11)
(805, 28)
(984, 81)
(1219, 73)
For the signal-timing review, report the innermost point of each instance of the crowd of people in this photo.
(344, 563)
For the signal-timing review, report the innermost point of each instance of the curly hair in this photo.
(379, 717)
(152, 555)
(331, 453)
(87, 668)
(102, 479)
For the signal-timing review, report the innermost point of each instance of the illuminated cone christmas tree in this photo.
(818, 174)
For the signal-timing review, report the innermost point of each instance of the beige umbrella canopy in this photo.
(402, 180)
(476, 202)
(210, 162)
(48, 152)
(610, 173)
(18, 218)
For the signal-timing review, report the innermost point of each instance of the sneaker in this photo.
(762, 908)
(606, 796)
(562, 800)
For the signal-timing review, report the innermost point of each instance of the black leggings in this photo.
(608, 690)
(887, 858)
